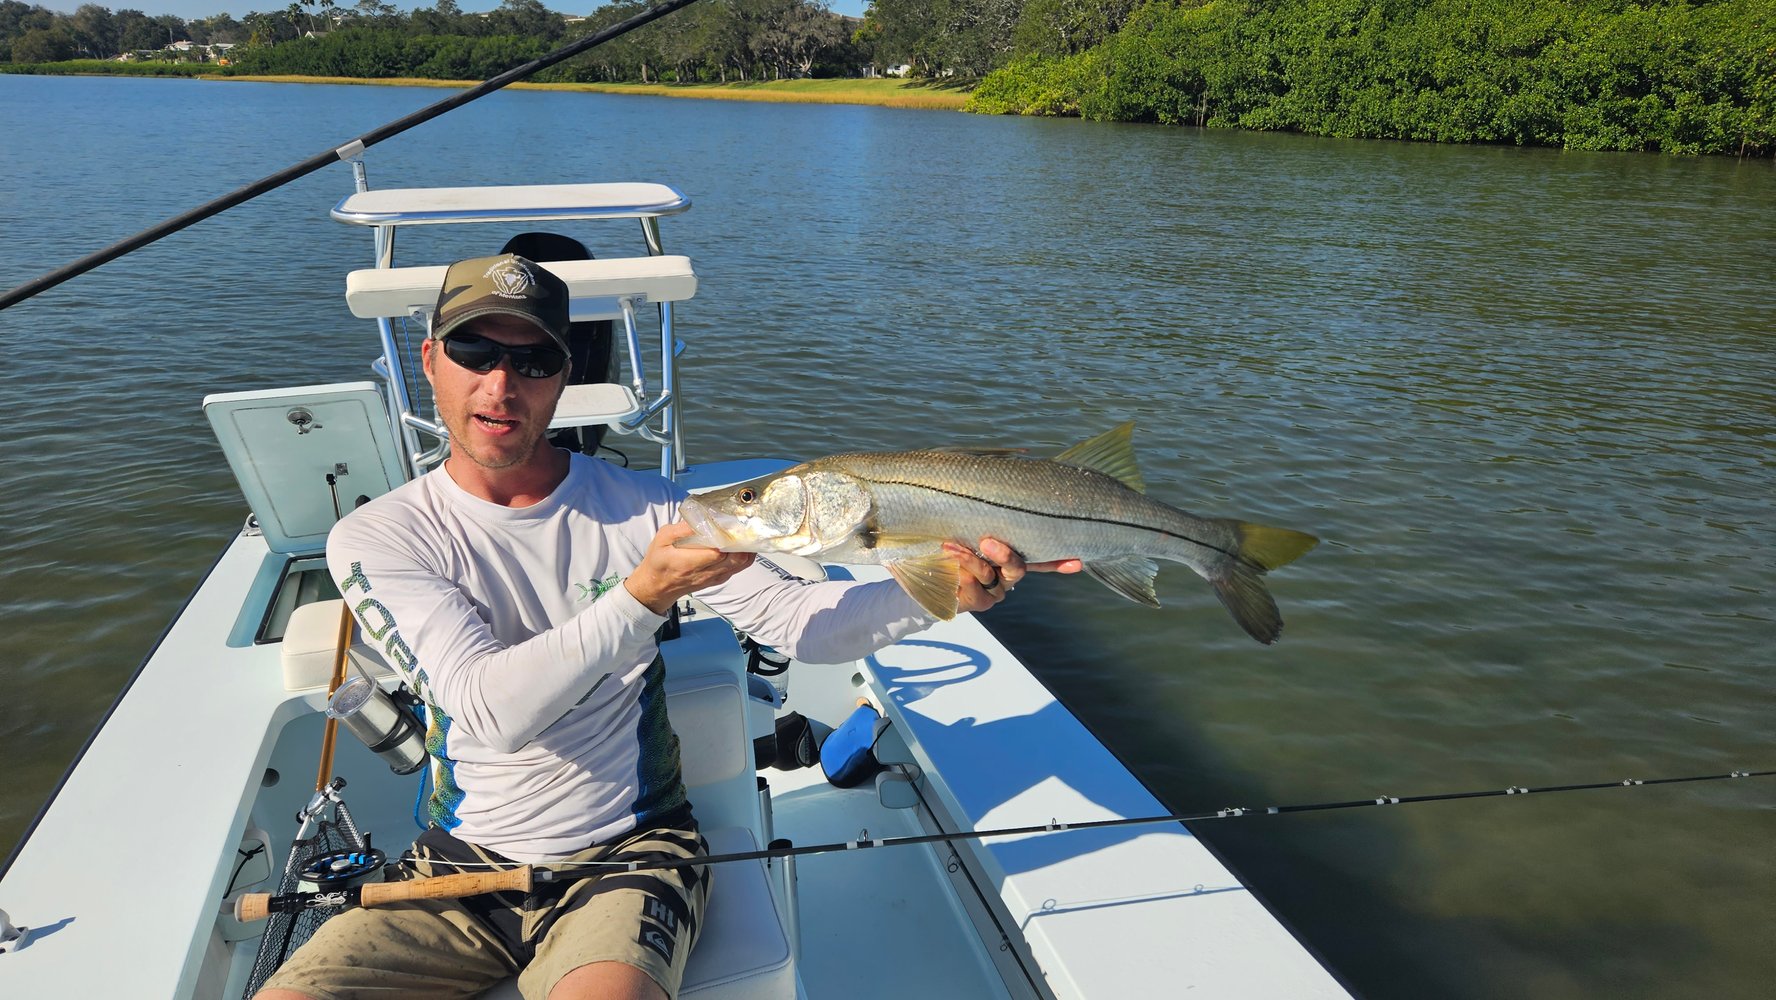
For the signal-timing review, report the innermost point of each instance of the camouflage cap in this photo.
(507, 285)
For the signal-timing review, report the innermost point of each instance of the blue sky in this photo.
(189, 9)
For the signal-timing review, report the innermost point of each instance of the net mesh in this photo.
(285, 932)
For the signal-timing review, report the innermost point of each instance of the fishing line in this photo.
(294, 902)
(346, 151)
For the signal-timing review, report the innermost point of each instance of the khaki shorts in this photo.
(462, 947)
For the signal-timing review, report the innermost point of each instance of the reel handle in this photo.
(254, 906)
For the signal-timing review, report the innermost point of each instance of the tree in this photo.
(444, 19)
(219, 28)
(1063, 27)
(94, 30)
(40, 45)
(526, 19)
(135, 31)
(172, 29)
(17, 18)
(375, 10)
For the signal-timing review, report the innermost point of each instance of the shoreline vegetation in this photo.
(1686, 77)
(880, 92)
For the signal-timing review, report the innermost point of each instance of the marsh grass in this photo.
(878, 92)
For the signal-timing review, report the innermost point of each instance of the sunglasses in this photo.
(479, 354)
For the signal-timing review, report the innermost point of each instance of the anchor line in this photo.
(293, 902)
(348, 150)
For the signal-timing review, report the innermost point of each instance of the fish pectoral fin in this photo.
(930, 580)
(1130, 576)
(1111, 453)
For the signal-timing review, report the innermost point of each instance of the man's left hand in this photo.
(987, 576)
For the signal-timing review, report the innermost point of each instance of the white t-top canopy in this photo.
(515, 203)
(594, 285)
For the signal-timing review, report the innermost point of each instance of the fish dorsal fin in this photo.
(929, 580)
(1111, 453)
(1131, 576)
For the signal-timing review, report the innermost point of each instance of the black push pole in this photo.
(342, 152)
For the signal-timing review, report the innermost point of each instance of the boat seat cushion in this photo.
(742, 952)
(593, 285)
(310, 640)
(593, 403)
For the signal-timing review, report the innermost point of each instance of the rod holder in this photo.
(792, 910)
(764, 791)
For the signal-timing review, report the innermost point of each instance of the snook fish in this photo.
(898, 508)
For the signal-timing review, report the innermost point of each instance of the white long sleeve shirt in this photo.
(546, 720)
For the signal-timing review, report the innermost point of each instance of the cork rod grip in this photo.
(446, 886)
(250, 907)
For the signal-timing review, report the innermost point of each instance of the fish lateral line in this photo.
(1066, 517)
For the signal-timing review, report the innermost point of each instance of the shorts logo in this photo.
(659, 925)
(654, 938)
(511, 279)
(658, 912)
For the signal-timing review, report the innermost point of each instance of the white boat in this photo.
(186, 797)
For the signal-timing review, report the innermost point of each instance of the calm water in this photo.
(1525, 397)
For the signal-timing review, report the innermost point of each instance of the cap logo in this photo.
(511, 279)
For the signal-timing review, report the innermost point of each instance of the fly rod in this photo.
(257, 905)
(345, 151)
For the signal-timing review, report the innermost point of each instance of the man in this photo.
(518, 589)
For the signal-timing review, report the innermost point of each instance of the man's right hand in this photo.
(668, 573)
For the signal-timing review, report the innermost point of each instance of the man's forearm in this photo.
(507, 696)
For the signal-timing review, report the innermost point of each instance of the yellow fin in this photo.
(929, 580)
(1268, 548)
(1130, 575)
(1111, 453)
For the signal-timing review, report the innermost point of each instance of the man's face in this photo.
(496, 419)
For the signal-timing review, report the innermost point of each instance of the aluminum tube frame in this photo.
(650, 231)
(632, 343)
(400, 406)
(672, 448)
(392, 370)
(792, 909)
(669, 447)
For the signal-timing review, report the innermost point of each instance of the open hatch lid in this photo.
(283, 444)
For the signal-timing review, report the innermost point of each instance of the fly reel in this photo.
(336, 870)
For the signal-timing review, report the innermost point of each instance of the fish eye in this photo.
(747, 495)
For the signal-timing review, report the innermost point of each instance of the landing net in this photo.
(285, 932)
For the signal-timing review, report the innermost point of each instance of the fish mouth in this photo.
(710, 529)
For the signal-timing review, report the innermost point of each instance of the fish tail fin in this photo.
(1245, 597)
(1242, 592)
(1268, 548)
